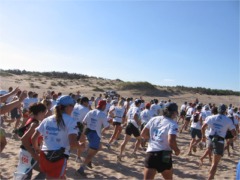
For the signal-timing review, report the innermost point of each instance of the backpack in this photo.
(20, 131)
(196, 117)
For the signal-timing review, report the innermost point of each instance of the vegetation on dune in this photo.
(145, 88)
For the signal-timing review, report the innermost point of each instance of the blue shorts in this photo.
(196, 132)
(94, 140)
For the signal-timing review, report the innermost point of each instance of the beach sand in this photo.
(106, 166)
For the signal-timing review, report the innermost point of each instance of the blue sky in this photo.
(189, 43)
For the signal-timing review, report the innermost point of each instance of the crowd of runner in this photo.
(51, 126)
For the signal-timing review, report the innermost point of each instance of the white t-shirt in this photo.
(79, 112)
(196, 125)
(205, 114)
(130, 115)
(55, 137)
(118, 114)
(107, 108)
(155, 109)
(183, 107)
(190, 111)
(219, 124)
(159, 128)
(145, 115)
(95, 119)
(27, 102)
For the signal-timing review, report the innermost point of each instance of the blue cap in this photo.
(65, 101)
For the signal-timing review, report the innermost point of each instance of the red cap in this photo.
(148, 105)
(101, 103)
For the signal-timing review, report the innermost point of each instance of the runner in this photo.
(28, 155)
(94, 120)
(182, 112)
(145, 115)
(161, 131)
(79, 112)
(59, 136)
(134, 122)
(196, 124)
(218, 125)
(117, 113)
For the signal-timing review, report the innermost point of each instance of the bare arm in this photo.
(8, 107)
(74, 144)
(173, 143)
(145, 133)
(26, 141)
(5, 96)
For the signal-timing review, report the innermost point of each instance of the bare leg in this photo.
(216, 160)
(149, 173)
(168, 174)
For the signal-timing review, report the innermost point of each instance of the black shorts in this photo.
(187, 118)
(196, 132)
(131, 129)
(15, 114)
(160, 160)
(182, 113)
(117, 124)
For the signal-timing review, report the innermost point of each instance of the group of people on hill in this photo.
(54, 125)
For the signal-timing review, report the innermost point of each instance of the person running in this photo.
(161, 131)
(155, 108)
(27, 155)
(196, 125)
(59, 133)
(229, 136)
(218, 126)
(188, 116)
(79, 112)
(134, 122)
(94, 120)
(16, 113)
(145, 116)
(117, 114)
(182, 112)
(208, 151)
(27, 102)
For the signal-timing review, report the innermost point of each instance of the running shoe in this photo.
(108, 146)
(90, 165)
(81, 171)
(119, 158)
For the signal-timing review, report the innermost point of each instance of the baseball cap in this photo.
(222, 108)
(101, 103)
(137, 101)
(65, 101)
(148, 105)
(171, 107)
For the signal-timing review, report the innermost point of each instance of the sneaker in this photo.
(115, 143)
(119, 158)
(108, 146)
(194, 149)
(81, 171)
(90, 165)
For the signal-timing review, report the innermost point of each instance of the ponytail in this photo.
(58, 114)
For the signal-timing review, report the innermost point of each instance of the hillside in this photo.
(89, 86)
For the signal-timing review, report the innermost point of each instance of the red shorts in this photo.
(53, 169)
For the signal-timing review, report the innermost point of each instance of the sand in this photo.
(105, 165)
